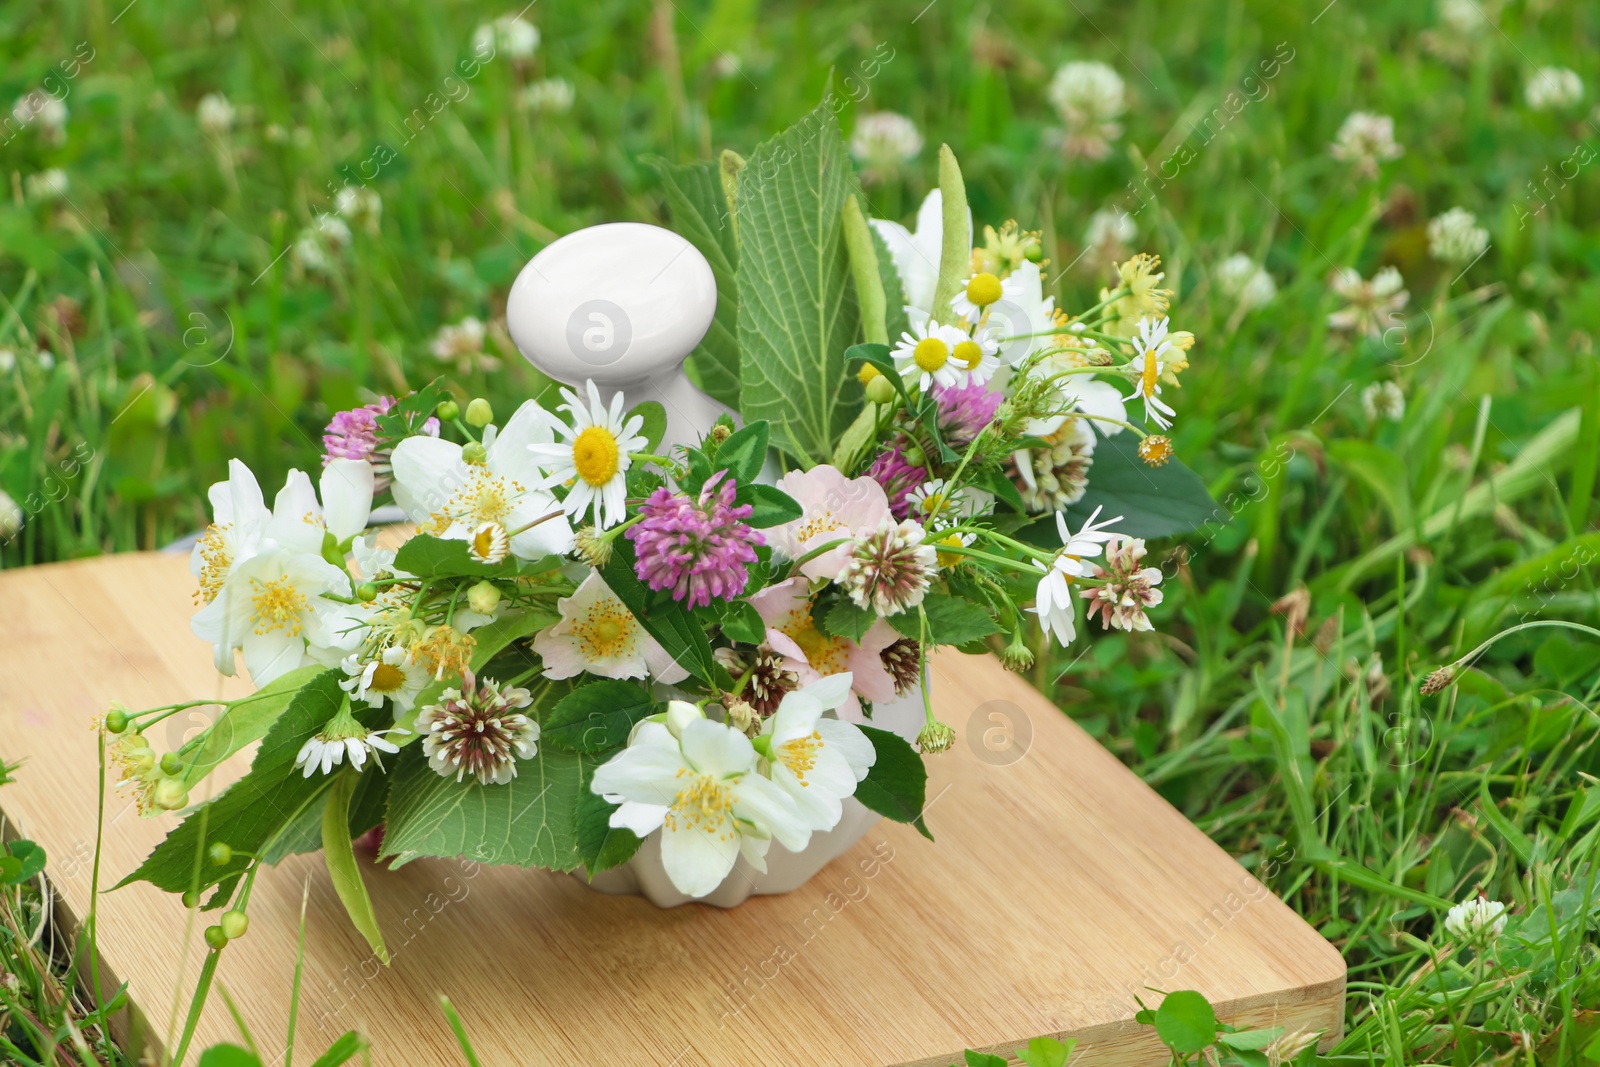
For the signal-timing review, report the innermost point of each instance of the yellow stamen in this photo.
(800, 755)
(606, 631)
(278, 606)
(704, 804)
(387, 678)
(595, 455)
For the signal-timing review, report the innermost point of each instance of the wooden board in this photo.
(1060, 886)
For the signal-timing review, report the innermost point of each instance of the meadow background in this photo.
(178, 286)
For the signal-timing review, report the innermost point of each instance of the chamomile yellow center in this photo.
(1147, 379)
(970, 353)
(867, 373)
(387, 678)
(702, 804)
(595, 455)
(930, 354)
(983, 289)
(950, 559)
(278, 606)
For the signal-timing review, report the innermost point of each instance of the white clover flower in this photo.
(883, 141)
(1239, 277)
(1371, 307)
(1089, 97)
(1110, 229)
(11, 517)
(319, 243)
(1463, 17)
(360, 204)
(46, 186)
(1553, 89)
(215, 114)
(8, 361)
(46, 359)
(461, 344)
(518, 37)
(1456, 237)
(39, 106)
(552, 96)
(1365, 141)
(1476, 919)
(1384, 400)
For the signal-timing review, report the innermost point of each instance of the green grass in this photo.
(1291, 730)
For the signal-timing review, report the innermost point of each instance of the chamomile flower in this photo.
(390, 675)
(1154, 354)
(1053, 595)
(927, 355)
(344, 736)
(593, 456)
(980, 291)
(936, 503)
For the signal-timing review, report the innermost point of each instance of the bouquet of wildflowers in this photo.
(593, 636)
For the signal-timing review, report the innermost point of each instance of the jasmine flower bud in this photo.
(483, 598)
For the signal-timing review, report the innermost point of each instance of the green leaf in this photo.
(699, 213)
(668, 621)
(411, 411)
(955, 254)
(228, 1056)
(743, 453)
(1251, 1039)
(341, 860)
(846, 619)
(1185, 1022)
(878, 356)
(743, 623)
(870, 296)
(983, 1059)
(343, 1050)
(528, 821)
(797, 311)
(28, 859)
(897, 785)
(1046, 1052)
(1153, 501)
(427, 556)
(249, 814)
(769, 505)
(951, 621)
(655, 423)
(597, 717)
(246, 720)
(601, 845)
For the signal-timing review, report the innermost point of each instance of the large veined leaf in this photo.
(529, 821)
(797, 307)
(1153, 501)
(699, 213)
(252, 812)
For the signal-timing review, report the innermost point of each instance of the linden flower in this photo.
(593, 457)
(926, 355)
(598, 634)
(391, 675)
(817, 760)
(1154, 354)
(1053, 596)
(703, 792)
(446, 496)
(916, 255)
(1476, 919)
(832, 508)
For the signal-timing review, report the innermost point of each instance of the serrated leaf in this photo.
(249, 813)
(1185, 1022)
(1153, 501)
(951, 621)
(596, 717)
(698, 212)
(601, 845)
(846, 619)
(769, 505)
(797, 310)
(528, 822)
(340, 858)
(897, 785)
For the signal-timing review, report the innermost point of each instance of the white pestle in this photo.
(622, 304)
